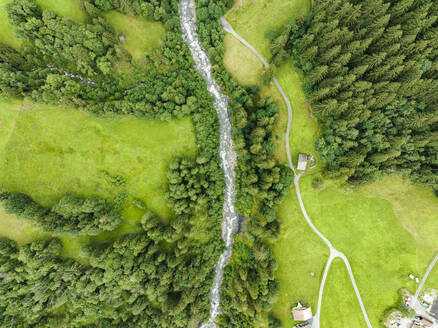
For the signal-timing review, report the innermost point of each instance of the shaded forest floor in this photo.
(386, 228)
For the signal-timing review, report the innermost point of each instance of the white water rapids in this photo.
(187, 12)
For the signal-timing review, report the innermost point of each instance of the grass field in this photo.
(48, 152)
(432, 281)
(6, 31)
(365, 226)
(52, 151)
(65, 8)
(387, 229)
(341, 308)
(141, 35)
(239, 60)
(253, 18)
(298, 252)
(21, 231)
(304, 130)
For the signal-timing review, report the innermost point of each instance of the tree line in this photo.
(71, 214)
(162, 276)
(371, 77)
(169, 86)
(250, 288)
(158, 88)
(166, 86)
(158, 277)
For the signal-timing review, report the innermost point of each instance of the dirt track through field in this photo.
(334, 253)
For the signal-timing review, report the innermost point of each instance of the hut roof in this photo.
(302, 313)
(302, 162)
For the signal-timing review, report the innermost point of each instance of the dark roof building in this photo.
(426, 322)
(304, 325)
(434, 309)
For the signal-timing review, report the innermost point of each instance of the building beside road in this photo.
(301, 312)
(433, 310)
(302, 162)
(426, 322)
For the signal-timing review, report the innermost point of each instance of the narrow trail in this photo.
(334, 253)
(426, 275)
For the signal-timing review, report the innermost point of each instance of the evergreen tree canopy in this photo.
(71, 214)
(371, 75)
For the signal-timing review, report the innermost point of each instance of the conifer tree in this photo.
(374, 68)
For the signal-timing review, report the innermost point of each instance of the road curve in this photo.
(228, 28)
(334, 253)
(316, 318)
(423, 281)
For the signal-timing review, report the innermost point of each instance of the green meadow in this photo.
(253, 18)
(66, 8)
(387, 229)
(7, 34)
(47, 152)
(141, 35)
(341, 307)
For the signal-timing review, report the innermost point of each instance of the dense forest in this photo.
(154, 278)
(371, 77)
(161, 276)
(250, 288)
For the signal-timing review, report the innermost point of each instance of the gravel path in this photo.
(334, 253)
(228, 28)
(423, 281)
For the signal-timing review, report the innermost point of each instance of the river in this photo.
(187, 11)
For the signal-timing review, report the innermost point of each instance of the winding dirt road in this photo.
(334, 253)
